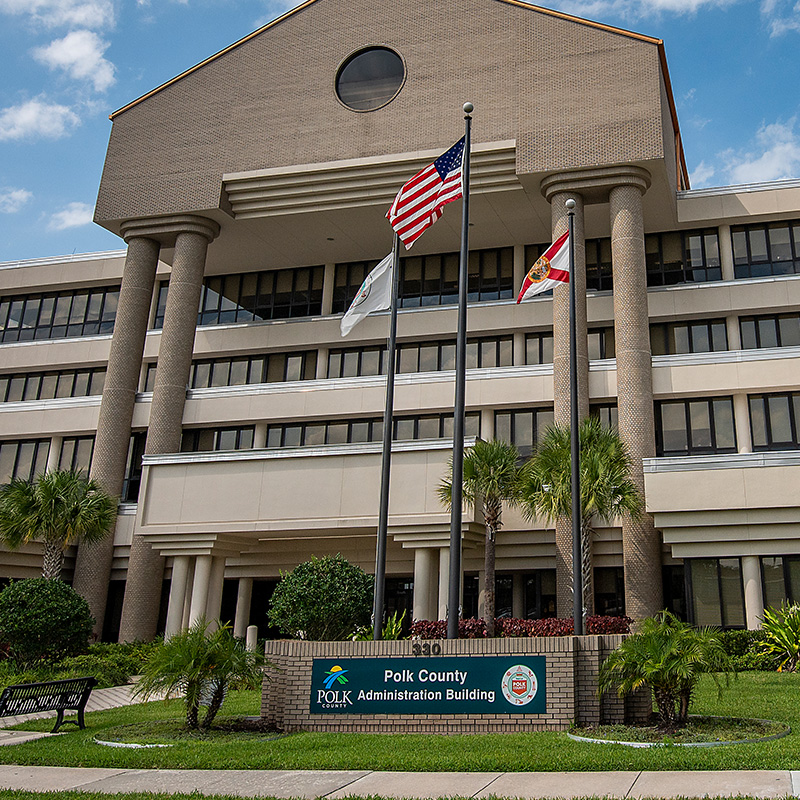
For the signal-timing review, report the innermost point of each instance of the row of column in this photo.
(622, 189)
(190, 236)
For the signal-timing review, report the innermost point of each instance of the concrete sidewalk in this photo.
(332, 784)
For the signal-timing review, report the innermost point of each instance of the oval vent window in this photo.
(370, 78)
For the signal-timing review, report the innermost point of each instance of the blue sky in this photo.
(69, 63)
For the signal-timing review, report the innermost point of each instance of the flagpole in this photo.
(386, 455)
(454, 592)
(575, 453)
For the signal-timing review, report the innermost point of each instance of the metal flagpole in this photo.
(386, 457)
(575, 453)
(454, 593)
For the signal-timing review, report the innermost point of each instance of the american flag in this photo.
(420, 202)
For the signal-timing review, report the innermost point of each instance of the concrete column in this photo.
(93, 564)
(215, 584)
(487, 424)
(322, 363)
(444, 581)
(726, 253)
(244, 598)
(146, 566)
(423, 580)
(177, 595)
(518, 596)
(200, 588)
(520, 267)
(519, 349)
(260, 436)
(54, 453)
(187, 601)
(561, 368)
(734, 332)
(753, 592)
(481, 594)
(741, 417)
(327, 289)
(641, 543)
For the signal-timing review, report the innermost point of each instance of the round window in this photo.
(370, 78)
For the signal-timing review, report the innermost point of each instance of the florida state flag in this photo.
(549, 270)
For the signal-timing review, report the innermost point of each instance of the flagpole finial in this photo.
(468, 108)
(570, 204)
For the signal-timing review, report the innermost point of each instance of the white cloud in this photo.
(638, 9)
(56, 13)
(701, 175)
(36, 119)
(73, 215)
(80, 55)
(781, 16)
(776, 155)
(12, 200)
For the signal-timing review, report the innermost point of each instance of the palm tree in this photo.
(61, 508)
(491, 477)
(667, 656)
(606, 488)
(200, 664)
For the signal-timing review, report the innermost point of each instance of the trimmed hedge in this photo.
(509, 628)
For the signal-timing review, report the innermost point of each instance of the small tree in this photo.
(606, 488)
(667, 656)
(61, 508)
(43, 620)
(201, 665)
(491, 478)
(324, 599)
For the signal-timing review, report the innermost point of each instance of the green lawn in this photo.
(756, 694)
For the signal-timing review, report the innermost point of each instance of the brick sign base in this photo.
(571, 668)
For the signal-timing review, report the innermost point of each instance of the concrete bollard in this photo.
(251, 638)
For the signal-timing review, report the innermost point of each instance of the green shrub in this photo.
(43, 620)
(739, 643)
(781, 630)
(324, 599)
(752, 660)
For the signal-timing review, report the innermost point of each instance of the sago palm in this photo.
(668, 657)
(491, 478)
(200, 664)
(60, 508)
(607, 491)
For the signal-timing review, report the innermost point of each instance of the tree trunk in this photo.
(53, 560)
(491, 513)
(665, 701)
(587, 542)
(217, 696)
(685, 701)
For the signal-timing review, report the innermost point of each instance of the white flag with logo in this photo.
(375, 294)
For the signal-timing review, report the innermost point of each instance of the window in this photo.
(716, 592)
(83, 312)
(774, 421)
(606, 413)
(48, 385)
(599, 273)
(357, 361)
(693, 427)
(609, 591)
(347, 281)
(196, 440)
(23, 459)
(539, 348)
(601, 343)
(769, 249)
(522, 428)
(76, 453)
(540, 594)
(688, 337)
(370, 78)
(682, 257)
(255, 296)
(272, 368)
(772, 330)
(133, 468)
(780, 577)
(316, 433)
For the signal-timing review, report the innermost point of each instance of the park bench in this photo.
(70, 694)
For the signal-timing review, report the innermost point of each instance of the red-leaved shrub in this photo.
(509, 628)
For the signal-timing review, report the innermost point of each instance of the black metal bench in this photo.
(70, 694)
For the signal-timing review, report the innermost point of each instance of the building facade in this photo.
(200, 375)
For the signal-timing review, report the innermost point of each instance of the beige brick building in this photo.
(245, 437)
